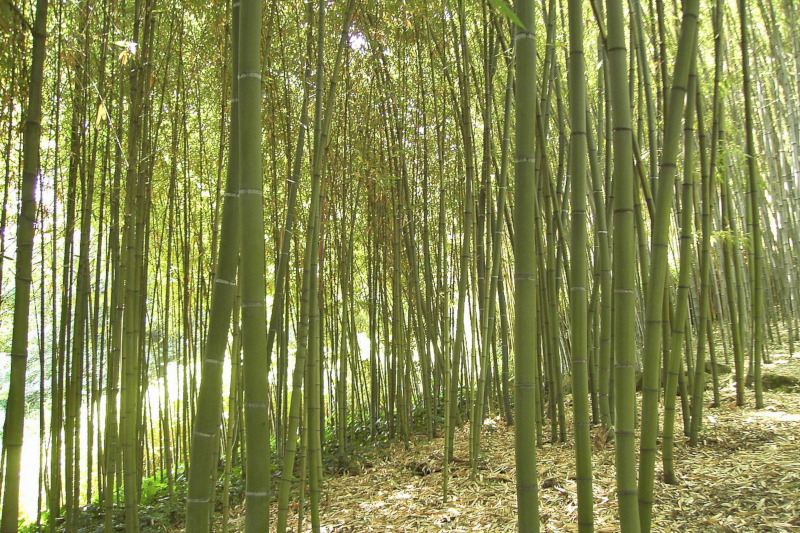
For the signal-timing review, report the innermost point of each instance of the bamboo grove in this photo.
(247, 239)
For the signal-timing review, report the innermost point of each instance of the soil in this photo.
(743, 477)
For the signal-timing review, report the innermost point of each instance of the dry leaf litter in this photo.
(744, 477)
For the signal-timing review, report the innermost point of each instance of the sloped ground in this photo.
(745, 476)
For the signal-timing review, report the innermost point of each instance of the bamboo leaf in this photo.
(101, 115)
(506, 10)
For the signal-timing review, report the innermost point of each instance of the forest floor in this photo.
(744, 476)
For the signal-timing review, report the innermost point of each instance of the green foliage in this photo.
(152, 489)
(506, 10)
(157, 512)
(33, 527)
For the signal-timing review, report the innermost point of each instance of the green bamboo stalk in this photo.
(15, 413)
(493, 268)
(603, 260)
(525, 275)
(624, 268)
(754, 198)
(704, 318)
(658, 264)
(307, 306)
(462, 105)
(131, 275)
(502, 192)
(578, 151)
(252, 271)
(205, 434)
(673, 361)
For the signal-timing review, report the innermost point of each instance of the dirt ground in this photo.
(744, 476)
